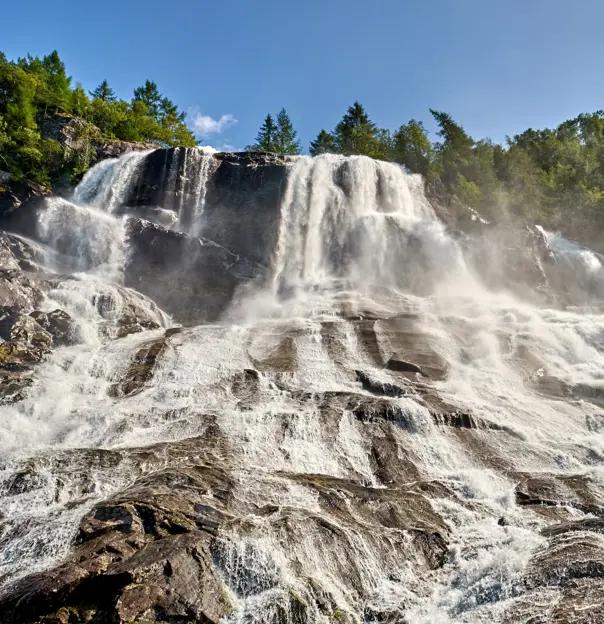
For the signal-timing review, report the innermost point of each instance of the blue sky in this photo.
(497, 66)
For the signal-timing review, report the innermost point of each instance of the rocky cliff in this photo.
(241, 388)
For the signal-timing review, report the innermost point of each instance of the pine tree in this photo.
(149, 95)
(412, 148)
(266, 138)
(80, 104)
(286, 141)
(103, 92)
(323, 144)
(58, 83)
(356, 134)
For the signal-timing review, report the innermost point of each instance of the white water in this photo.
(196, 167)
(356, 236)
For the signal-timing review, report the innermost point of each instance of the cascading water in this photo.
(327, 469)
(106, 185)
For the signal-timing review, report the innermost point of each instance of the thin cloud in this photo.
(205, 125)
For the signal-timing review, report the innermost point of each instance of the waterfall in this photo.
(196, 166)
(361, 219)
(107, 184)
(342, 471)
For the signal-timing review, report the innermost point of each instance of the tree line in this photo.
(551, 176)
(33, 89)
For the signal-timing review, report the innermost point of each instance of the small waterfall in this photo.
(196, 168)
(107, 185)
(581, 270)
(86, 238)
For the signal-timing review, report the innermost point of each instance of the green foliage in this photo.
(278, 137)
(266, 139)
(286, 138)
(357, 134)
(323, 144)
(413, 149)
(149, 95)
(103, 92)
(32, 89)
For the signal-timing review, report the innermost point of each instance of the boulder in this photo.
(58, 324)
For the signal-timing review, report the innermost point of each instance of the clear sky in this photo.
(497, 66)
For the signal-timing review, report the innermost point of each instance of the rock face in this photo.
(19, 194)
(191, 278)
(241, 204)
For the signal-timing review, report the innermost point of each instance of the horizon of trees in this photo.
(550, 175)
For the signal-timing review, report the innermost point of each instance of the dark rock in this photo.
(132, 324)
(193, 279)
(379, 388)
(172, 331)
(19, 196)
(242, 200)
(28, 332)
(140, 370)
(13, 384)
(9, 315)
(550, 491)
(115, 149)
(58, 324)
(397, 363)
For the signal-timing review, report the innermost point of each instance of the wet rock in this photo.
(551, 491)
(172, 331)
(58, 324)
(242, 200)
(140, 370)
(563, 580)
(162, 549)
(18, 197)
(380, 388)
(18, 291)
(13, 383)
(9, 315)
(28, 332)
(27, 345)
(131, 324)
(193, 279)
(144, 556)
(413, 351)
(397, 363)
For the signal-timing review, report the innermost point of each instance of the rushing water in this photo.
(356, 236)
